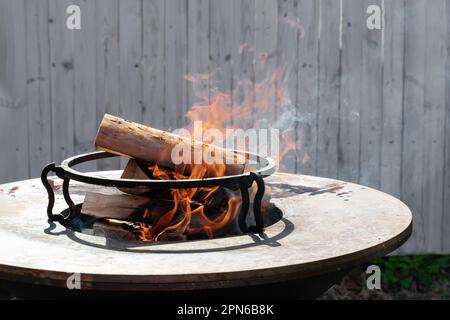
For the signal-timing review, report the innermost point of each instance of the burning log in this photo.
(123, 137)
(136, 208)
(163, 218)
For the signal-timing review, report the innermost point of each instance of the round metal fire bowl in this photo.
(242, 181)
(66, 171)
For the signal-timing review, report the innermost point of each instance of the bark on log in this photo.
(123, 137)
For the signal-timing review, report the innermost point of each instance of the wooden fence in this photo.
(372, 104)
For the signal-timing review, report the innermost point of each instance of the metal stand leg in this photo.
(51, 196)
(259, 228)
(244, 208)
(68, 200)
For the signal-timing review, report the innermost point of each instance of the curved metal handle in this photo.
(51, 195)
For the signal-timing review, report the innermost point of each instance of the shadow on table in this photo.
(157, 247)
(283, 190)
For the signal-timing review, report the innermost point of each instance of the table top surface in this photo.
(327, 225)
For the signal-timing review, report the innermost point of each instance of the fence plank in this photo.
(289, 32)
(13, 108)
(351, 103)
(308, 74)
(413, 131)
(434, 122)
(446, 218)
(84, 54)
(329, 78)
(371, 99)
(153, 63)
(391, 145)
(221, 47)
(130, 48)
(266, 32)
(243, 56)
(176, 63)
(38, 86)
(265, 44)
(198, 49)
(107, 66)
(62, 84)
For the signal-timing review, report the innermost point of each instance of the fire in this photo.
(190, 214)
(222, 110)
(261, 104)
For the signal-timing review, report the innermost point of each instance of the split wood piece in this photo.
(124, 206)
(116, 229)
(144, 209)
(139, 170)
(127, 138)
(133, 170)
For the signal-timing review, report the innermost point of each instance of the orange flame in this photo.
(218, 110)
(189, 204)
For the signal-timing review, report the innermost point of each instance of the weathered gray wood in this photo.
(84, 63)
(351, 102)
(62, 81)
(391, 139)
(221, 47)
(38, 86)
(446, 217)
(371, 97)
(130, 18)
(107, 66)
(307, 89)
(153, 63)
(13, 105)
(198, 51)
(434, 125)
(329, 83)
(266, 42)
(130, 72)
(393, 70)
(289, 30)
(413, 130)
(243, 56)
(176, 63)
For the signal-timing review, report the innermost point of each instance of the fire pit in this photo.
(174, 187)
(241, 182)
(328, 227)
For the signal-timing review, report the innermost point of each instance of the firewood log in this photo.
(124, 206)
(123, 137)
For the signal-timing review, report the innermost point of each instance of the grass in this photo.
(402, 277)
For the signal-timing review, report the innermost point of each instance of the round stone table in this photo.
(328, 227)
